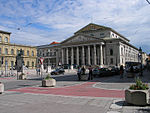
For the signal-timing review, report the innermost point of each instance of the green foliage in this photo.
(48, 77)
(139, 85)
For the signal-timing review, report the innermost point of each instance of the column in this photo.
(77, 55)
(83, 59)
(72, 56)
(89, 61)
(62, 53)
(95, 55)
(57, 59)
(67, 56)
(101, 55)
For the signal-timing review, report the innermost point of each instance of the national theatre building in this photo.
(91, 45)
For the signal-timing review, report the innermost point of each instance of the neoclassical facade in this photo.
(8, 52)
(50, 54)
(94, 45)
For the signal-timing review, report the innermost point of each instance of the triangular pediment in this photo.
(79, 38)
(91, 27)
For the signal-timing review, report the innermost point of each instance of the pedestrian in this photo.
(79, 73)
(132, 71)
(121, 71)
(83, 70)
(90, 73)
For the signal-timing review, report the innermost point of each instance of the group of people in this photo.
(81, 71)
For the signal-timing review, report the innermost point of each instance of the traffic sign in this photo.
(41, 60)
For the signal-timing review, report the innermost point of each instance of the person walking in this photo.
(90, 73)
(79, 73)
(121, 71)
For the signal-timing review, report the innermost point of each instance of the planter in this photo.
(22, 77)
(49, 83)
(137, 97)
(1, 88)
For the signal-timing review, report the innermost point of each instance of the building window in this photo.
(0, 51)
(0, 39)
(17, 51)
(32, 53)
(32, 64)
(121, 51)
(111, 52)
(113, 34)
(111, 61)
(92, 34)
(6, 39)
(27, 52)
(6, 51)
(22, 52)
(12, 64)
(28, 64)
(101, 34)
(12, 51)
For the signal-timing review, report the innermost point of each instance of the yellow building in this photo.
(8, 52)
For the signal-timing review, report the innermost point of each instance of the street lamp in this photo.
(140, 55)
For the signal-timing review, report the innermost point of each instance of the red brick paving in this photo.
(85, 89)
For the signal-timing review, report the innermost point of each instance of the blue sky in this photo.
(44, 21)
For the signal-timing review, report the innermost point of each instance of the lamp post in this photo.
(140, 54)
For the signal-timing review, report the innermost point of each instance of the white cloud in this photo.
(64, 17)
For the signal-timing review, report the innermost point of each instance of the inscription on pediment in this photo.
(80, 39)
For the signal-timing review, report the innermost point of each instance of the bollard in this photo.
(1, 88)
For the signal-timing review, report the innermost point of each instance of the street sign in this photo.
(41, 60)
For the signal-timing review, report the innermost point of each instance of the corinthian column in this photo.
(67, 55)
(89, 61)
(62, 53)
(72, 56)
(77, 55)
(95, 55)
(101, 55)
(83, 57)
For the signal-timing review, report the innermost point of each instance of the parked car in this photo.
(58, 71)
(95, 72)
(115, 71)
(105, 72)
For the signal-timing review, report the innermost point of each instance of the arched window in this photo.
(111, 52)
(32, 64)
(28, 64)
(17, 51)
(6, 51)
(12, 51)
(27, 52)
(6, 39)
(32, 53)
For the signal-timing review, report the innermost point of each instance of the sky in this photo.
(39, 22)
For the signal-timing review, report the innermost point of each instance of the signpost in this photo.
(42, 67)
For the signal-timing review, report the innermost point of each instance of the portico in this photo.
(91, 54)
